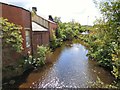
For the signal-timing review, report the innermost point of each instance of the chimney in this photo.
(51, 18)
(34, 9)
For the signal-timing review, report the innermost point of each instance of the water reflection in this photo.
(69, 67)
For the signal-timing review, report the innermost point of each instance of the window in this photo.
(27, 33)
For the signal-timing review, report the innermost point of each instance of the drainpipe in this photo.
(49, 32)
(31, 35)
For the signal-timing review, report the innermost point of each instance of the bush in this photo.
(56, 42)
(99, 84)
(104, 39)
(39, 58)
(11, 35)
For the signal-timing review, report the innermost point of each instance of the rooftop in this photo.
(37, 27)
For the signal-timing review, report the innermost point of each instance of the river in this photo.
(68, 67)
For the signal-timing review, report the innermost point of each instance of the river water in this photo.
(68, 67)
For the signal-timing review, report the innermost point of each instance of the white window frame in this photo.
(27, 37)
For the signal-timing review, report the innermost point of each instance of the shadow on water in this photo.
(68, 67)
(18, 81)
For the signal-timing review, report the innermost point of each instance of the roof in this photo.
(37, 27)
(14, 6)
(46, 19)
(51, 21)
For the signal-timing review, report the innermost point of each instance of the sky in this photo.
(82, 11)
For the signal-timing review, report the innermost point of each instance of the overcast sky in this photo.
(82, 11)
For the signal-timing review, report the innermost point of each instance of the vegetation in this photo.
(66, 31)
(103, 40)
(12, 41)
(39, 59)
(11, 35)
(99, 84)
(56, 42)
(104, 37)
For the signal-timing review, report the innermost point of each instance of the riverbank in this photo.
(104, 52)
(68, 67)
(68, 58)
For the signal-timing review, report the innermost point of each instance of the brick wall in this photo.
(18, 16)
(39, 38)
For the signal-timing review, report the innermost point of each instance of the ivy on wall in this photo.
(10, 35)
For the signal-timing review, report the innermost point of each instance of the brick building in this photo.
(40, 36)
(22, 17)
(42, 31)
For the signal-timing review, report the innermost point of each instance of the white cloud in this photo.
(79, 10)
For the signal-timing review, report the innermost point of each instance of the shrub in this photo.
(99, 84)
(11, 35)
(104, 41)
(39, 58)
(56, 42)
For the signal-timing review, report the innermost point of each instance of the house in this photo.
(22, 17)
(41, 31)
(40, 36)
(35, 31)
(49, 24)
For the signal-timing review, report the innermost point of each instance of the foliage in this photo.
(68, 31)
(57, 19)
(104, 39)
(11, 35)
(85, 28)
(100, 84)
(56, 42)
(65, 31)
(39, 58)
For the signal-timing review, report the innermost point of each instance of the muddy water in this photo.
(68, 67)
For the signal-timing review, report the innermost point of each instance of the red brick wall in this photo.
(40, 38)
(52, 26)
(18, 16)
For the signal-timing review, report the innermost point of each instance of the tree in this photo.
(57, 19)
(105, 42)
